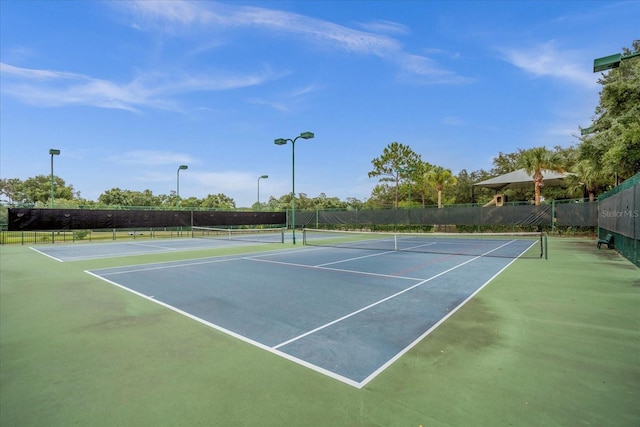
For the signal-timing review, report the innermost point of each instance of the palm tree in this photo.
(440, 177)
(587, 176)
(537, 160)
(420, 180)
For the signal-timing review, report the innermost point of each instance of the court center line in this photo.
(145, 245)
(326, 325)
(341, 270)
(353, 259)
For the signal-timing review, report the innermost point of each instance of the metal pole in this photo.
(53, 152)
(259, 178)
(282, 141)
(52, 193)
(181, 167)
(293, 188)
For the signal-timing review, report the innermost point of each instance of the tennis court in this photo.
(345, 312)
(547, 342)
(203, 239)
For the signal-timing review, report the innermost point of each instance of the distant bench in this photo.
(608, 240)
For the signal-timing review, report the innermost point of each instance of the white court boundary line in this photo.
(45, 254)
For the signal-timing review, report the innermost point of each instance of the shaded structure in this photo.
(521, 179)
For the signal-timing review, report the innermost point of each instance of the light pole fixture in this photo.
(612, 61)
(587, 131)
(259, 178)
(181, 167)
(53, 152)
(283, 141)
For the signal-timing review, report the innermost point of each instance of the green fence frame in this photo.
(627, 241)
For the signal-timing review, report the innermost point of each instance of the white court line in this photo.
(341, 270)
(45, 254)
(431, 329)
(419, 246)
(319, 328)
(234, 334)
(144, 245)
(186, 263)
(353, 259)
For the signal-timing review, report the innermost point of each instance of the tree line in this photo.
(605, 154)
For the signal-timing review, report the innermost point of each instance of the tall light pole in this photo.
(53, 152)
(282, 141)
(181, 167)
(262, 177)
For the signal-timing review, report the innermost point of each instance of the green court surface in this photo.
(547, 343)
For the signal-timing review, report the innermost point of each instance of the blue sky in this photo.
(128, 91)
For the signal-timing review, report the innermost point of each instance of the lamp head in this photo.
(586, 131)
(54, 152)
(264, 176)
(307, 135)
(183, 167)
(280, 141)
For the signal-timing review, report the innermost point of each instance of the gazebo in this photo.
(521, 179)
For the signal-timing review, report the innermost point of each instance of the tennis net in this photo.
(258, 235)
(504, 245)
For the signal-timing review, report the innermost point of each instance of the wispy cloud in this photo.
(152, 158)
(158, 90)
(453, 121)
(423, 70)
(172, 17)
(287, 100)
(51, 88)
(42, 75)
(215, 17)
(545, 60)
(280, 106)
(383, 26)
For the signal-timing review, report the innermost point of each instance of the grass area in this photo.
(553, 343)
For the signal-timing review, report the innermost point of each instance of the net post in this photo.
(546, 251)
(282, 236)
(304, 236)
(395, 242)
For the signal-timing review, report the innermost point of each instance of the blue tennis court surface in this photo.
(345, 313)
